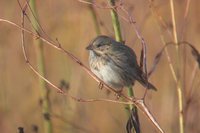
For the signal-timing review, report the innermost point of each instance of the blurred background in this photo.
(71, 22)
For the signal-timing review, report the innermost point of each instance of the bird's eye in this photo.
(99, 45)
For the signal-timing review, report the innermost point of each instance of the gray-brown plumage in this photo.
(115, 63)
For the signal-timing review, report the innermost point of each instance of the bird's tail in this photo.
(151, 86)
(148, 85)
(143, 80)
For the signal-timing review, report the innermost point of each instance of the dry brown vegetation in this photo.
(72, 23)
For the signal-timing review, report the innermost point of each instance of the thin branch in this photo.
(131, 100)
(145, 110)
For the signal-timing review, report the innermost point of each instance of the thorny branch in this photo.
(129, 99)
(139, 103)
(71, 56)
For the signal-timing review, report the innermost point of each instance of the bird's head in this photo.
(100, 45)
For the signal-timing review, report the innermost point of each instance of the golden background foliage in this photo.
(71, 22)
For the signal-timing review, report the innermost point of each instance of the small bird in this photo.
(115, 63)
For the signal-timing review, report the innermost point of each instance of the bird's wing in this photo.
(125, 58)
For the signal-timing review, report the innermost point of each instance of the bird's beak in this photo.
(89, 47)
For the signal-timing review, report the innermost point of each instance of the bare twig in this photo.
(129, 100)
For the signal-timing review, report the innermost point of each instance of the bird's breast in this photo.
(107, 71)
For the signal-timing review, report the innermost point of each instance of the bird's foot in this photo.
(118, 94)
(100, 85)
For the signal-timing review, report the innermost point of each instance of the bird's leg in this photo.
(118, 93)
(100, 85)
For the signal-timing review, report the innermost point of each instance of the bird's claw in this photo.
(118, 94)
(100, 86)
